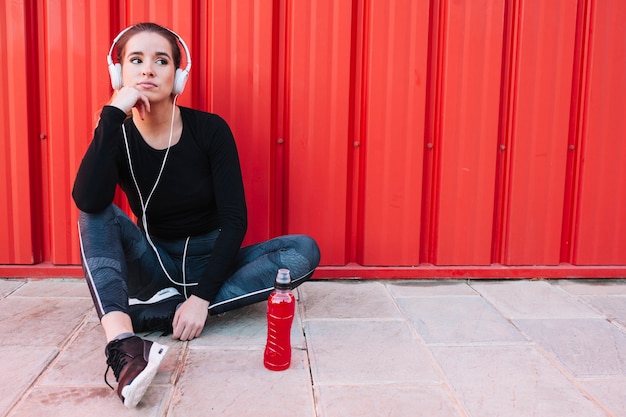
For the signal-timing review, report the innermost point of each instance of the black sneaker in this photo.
(157, 313)
(134, 362)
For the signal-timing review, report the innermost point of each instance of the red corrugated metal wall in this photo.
(410, 138)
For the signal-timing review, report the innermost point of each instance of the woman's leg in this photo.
(118, 263)
(256, 268)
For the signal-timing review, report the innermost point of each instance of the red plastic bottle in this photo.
(281, 307)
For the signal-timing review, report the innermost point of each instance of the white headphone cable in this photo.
(184, 268)
(144, 206)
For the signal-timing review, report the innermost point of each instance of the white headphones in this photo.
(180, 79)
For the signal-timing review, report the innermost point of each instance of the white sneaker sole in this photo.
(133, 392)
(164, 294)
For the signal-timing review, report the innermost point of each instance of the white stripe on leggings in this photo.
(240, 297)
(93, 289)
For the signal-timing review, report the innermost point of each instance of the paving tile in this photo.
(54, 288)
(245, 327)
(92, 316)
(532, 299)
(458, 320)
(613, 307)
(47, 322)
(361, 351)
(19, 369)
(234, 383)
(609, 392)
(385, 400)
(347, 299)
(89, 401)
(592, 286)
(429, 288)
(512, 381)
(586, 347)
(8, 286)
(83, 361)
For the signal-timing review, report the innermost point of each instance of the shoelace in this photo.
(116, 361)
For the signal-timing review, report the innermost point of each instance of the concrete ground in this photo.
(360, 348)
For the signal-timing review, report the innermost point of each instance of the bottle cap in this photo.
(283, 279)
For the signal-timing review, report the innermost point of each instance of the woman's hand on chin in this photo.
(128, 97)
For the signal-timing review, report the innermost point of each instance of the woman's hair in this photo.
(154, 28)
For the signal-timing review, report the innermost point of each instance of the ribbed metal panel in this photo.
(535, 128)
(390, 106)
(466, 95)
(238, 85)
(317, 77)
(76, 85)
(16, 227)
(599, 220)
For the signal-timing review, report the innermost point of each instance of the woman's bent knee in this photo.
(308, 248)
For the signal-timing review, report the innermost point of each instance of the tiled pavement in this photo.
(361, 348)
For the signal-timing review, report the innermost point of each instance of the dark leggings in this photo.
(120, 264)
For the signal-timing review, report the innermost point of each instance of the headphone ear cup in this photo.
(180, 79)
(115, 72)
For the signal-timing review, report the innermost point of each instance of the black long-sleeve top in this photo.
(200, 190)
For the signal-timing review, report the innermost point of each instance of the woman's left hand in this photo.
(190, 318)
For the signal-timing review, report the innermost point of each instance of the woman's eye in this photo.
(135, 60)
(161, 61)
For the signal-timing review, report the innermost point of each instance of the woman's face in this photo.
(147, 65)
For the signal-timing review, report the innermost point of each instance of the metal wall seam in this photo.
(432, 132)
(577, 110)
(511, 36)
(356, 135)
(36, 136)
(281, 66)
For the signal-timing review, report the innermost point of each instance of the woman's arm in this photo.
(231, 206)
(97, 177)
